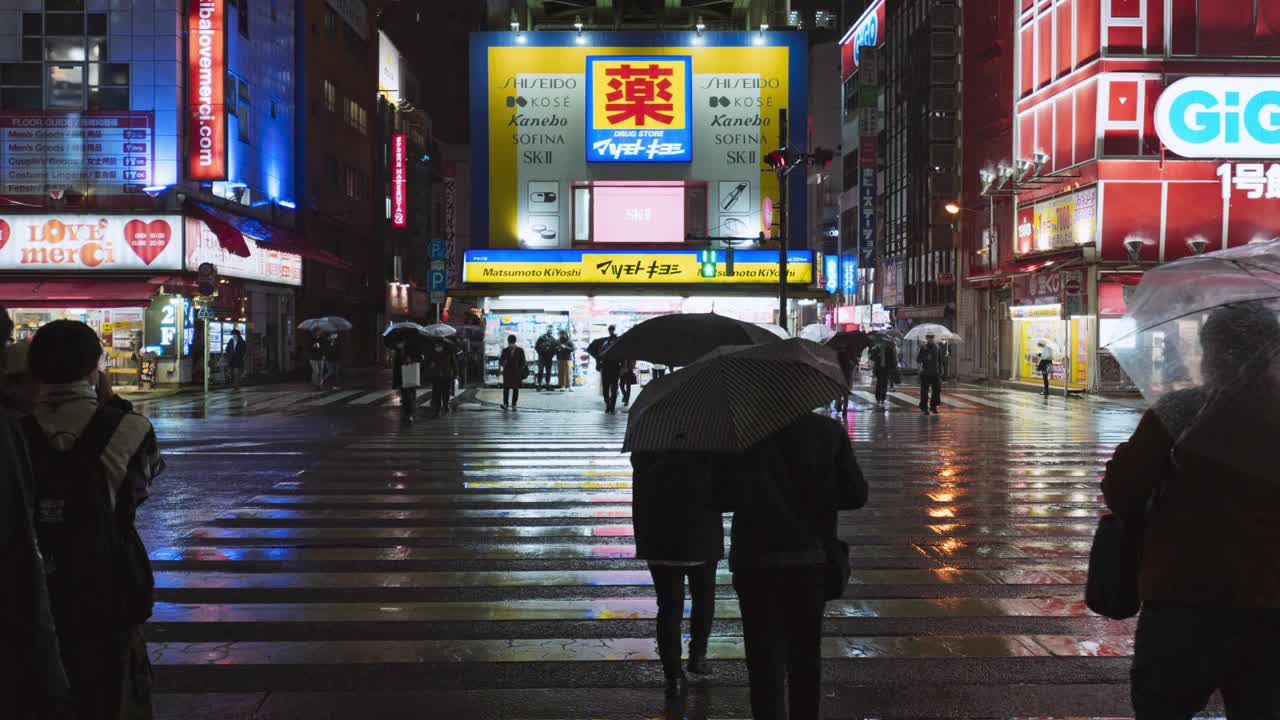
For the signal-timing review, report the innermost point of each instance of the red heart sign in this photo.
(148, 240)
(4, 234)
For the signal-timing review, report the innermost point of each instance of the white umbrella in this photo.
(440, 330)
(817, 332)
(328, 324)
(940, 332)
(415, 327)
(775, 329)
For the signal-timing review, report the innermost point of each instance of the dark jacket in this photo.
(672, 508)
(545, 346)
(315, 351)
(1213, 539)
(513, 364)
(329, 350)
(399, 357)
(809, 468)
(235, 352)
(564, 350)
(439, 363)
(930, 360)
(26, 619)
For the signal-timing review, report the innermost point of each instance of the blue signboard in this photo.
(439, 250)
(831, 273)
(849, 275)
(639, 108)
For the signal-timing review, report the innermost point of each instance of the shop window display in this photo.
(119, 329)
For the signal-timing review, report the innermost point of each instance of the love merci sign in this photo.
(72, 243)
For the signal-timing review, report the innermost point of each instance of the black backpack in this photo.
(96, 566)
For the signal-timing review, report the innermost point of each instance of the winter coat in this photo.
(930, 360)
(564, 350)
(1213, 537)
(439, 362)
(808, 466)
(672, 508)
(545, 347)
(514, 366)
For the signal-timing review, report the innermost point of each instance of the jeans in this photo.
(408, 402)
(440, 395)
(564, 374)
(609, 385)
(930, 392)
(882, 386)
(668, 583)
(544, 372)
(510, 396)
(782, 631)
(1182, 655)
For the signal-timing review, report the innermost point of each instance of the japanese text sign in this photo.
(638, 109)
(110, 152)
(206, 73)
(1255, 180)
(264, 263)
(637, 267)
(399, 209)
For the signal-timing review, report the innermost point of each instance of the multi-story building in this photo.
(1138, 135)
(138, 142)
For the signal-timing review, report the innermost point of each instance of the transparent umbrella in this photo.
(775, 329)
(940, 333)
(1203, 346)
(817, 332)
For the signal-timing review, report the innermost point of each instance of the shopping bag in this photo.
(410, 375)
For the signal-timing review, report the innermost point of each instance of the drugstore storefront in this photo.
(583, 292)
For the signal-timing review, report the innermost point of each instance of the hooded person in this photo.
(1198, 474)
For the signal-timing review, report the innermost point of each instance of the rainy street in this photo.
(315, 559)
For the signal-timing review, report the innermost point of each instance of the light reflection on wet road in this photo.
(316, 560)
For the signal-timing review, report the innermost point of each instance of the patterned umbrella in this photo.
(678, 340)
(734, 397)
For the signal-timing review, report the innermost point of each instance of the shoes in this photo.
(677, 686)
(924, 410)
(505, 406)
(698, 665)
(935, 411)
(514, 408)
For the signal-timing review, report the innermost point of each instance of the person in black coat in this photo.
(786, 493)
(233, 356)
(680, 533)
(930, 359)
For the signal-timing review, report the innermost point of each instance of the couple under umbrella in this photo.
(734, 431)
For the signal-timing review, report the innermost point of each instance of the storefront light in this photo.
(1028, 312)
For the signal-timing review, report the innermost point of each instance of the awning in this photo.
(76, 293)
(231, 228)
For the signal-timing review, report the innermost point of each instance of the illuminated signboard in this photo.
(638, 109)
(1221, 117)
(263, 263)
(867, 31)
(86, 242)
(399, 209)
(636, 267)
(111, 152)
(831, 273)
(206, 71)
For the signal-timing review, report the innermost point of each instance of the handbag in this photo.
(410, 375)
(1115, 560)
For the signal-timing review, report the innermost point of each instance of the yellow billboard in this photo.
(643, 267)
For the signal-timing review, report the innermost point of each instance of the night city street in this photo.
(314, 559)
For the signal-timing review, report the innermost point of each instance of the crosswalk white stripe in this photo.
(903, 397)
(982, 401)
(333, 398)
(864, 395)
(373, 397)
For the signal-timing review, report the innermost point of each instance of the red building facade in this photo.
(1073, 191)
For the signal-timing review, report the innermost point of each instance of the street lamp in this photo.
(952, 208)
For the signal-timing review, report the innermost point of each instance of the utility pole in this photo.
(783, 181)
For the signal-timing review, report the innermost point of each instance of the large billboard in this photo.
(562, 115)
(645, 267)
(112, 153)
(206, 73)
(88, 242)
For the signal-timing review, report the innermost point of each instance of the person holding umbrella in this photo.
(406, 375)
(1045, 364)
(330, 353)
(315, 354)
(788, 473)
(440, 367)
(515, 368)
(680, 534)
(930, 361)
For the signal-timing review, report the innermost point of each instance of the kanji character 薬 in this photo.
(639, 93)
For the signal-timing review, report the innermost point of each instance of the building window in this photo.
(355, 181)
(63, 50)
(330, 96)
(246, 109)
(357, 117)
(331, 169)
(330, 22)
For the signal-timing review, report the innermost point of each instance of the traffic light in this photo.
(776, 160)
(708, 261)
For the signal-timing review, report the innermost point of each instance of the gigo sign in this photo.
(86, 242)
(1226, 117)
(206, 72)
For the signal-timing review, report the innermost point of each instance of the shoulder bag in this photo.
(1115, 561)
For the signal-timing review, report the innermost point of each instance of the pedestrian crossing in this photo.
(482, 566)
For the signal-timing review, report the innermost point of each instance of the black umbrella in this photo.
(854, 341)
(734, 397)
(678, 340)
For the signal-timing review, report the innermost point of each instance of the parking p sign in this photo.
(437, 280)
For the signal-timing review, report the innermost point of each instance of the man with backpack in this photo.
(93, 461)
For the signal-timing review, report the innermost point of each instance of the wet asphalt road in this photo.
(315, 559)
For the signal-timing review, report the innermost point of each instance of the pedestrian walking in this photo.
(233, 356)
(315, 355)
(930, 361)
(884, 364)
(626, 379)
(93, 461)
(848, 365)
(545, 347)
(610, 368)
(406, 376)
(564, 361)
(785, 494)
(18, 388)
(440, 367)
(1197, 482)
(680, 535)
(330, 352)
(659, 370)
(515, 368)
(1045, 364)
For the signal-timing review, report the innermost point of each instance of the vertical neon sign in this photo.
(398, 210)
(206, 72)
